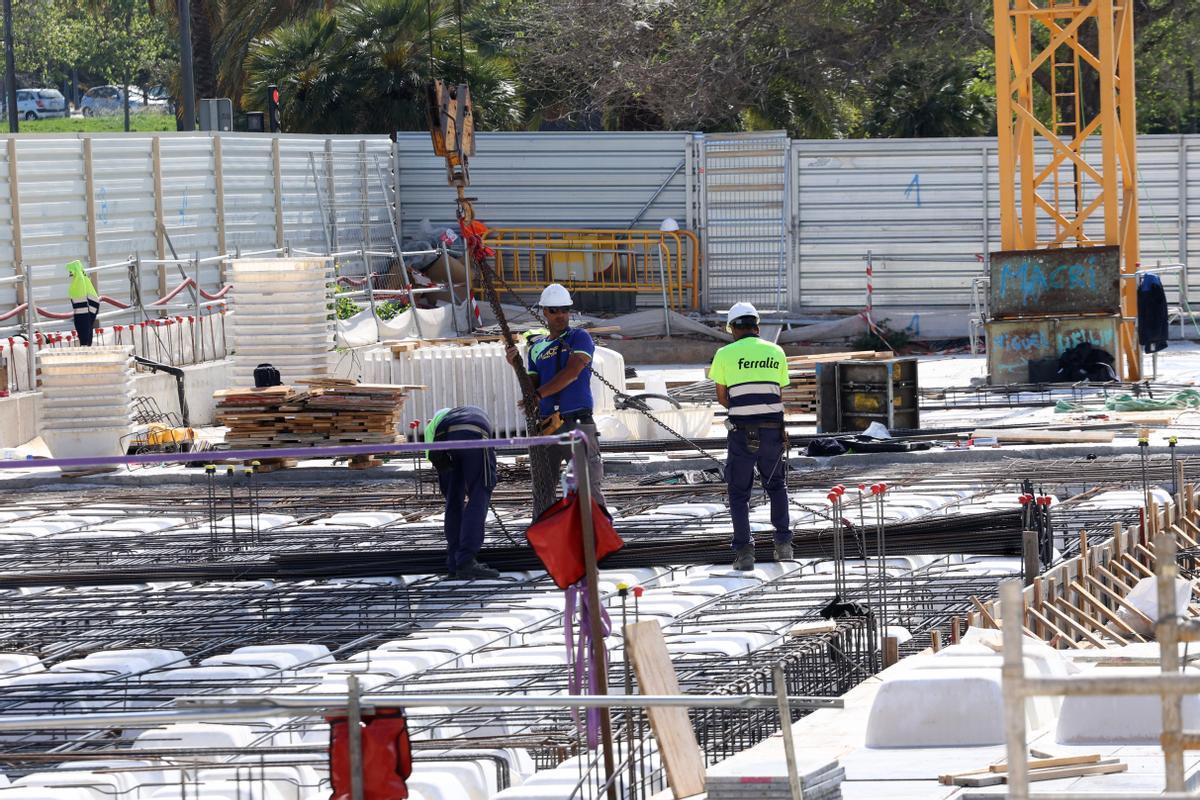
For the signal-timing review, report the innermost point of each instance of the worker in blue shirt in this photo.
(560, 365)
(749, 374)
(464, 476)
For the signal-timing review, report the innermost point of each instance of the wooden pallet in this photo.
(273, 464)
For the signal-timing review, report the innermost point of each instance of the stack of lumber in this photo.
(1040, 769)
(318, 412)
(801, 396)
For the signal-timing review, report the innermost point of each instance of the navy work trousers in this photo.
(470, 480)
(740, 465)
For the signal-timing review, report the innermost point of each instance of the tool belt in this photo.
(559, 420)
(754, 428)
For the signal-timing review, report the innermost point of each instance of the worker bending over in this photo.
(749, 374)
(464, 476)
(560, 365)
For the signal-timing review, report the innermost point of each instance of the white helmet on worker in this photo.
(555, 296)
(739, 310)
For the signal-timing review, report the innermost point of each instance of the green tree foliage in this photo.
(363, 67)
(817, 68)
(47, 37)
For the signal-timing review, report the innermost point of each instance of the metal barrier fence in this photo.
(665, 264)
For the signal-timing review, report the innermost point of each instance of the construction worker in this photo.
(85, 303)
(560, 365)
(749, 374)
(464, 476)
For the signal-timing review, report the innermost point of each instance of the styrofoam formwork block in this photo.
(86, 394)
(953, 698)
(281, 317)
(1120, 719)
(475, 375)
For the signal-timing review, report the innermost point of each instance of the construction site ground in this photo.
(347, 558)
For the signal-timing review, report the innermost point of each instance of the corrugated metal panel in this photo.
(745, 202)
(920, 206)
(917, 205)
(302, 219)
(249, 192)
(551, 179)
(53, 229)
(8, 265)
(190, 203)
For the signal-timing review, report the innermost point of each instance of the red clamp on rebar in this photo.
(638, 591)
(1044, 500)
(832, 497)
(862, 487)
(1024, 499)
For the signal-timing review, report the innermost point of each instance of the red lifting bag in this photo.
(386, 751)
(557, 538)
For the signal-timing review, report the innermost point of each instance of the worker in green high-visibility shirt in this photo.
(466, 477)
(85, 302)
(750, 374)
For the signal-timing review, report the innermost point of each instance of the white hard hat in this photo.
(739, 310)
(555, 296)
(669, 225)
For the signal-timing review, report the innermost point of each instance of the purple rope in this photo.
(579, 654)
(284, 452)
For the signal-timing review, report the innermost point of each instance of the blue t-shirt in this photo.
(547, 357)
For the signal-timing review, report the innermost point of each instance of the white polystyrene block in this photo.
(1120, 719)
(49, 793)
(302, 652)
(446, 784)
(1144, 597)
(937, 708)
(19, 664)
(191, 735)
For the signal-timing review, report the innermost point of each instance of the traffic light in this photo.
(273, 109)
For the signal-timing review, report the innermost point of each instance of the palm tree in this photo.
(363, 67)
(242, 23)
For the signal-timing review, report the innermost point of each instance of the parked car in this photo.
(39, 104)
(158, 99)
(109, 100)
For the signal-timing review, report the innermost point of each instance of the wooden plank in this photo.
(1064, 761)
(986, 616)
(1044, 437)
(1105, 611)
(1118, 599)
(1072, 624)
(813, 628)
(677, 746)
(1106, 767)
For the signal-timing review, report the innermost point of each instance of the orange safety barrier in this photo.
(594, 260)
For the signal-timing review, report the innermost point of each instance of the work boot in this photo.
(744, 558)
(475, 569)
(783, 551)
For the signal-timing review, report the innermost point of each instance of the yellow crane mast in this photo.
(1067, 136)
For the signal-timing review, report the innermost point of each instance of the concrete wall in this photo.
(199, 383)
(20, 413)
